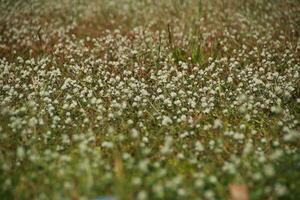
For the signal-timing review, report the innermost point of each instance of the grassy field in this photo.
(149, 99)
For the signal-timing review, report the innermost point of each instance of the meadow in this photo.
(149, 99)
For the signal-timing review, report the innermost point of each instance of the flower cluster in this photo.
(160, 110)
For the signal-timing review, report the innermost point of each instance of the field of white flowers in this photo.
(150, 99)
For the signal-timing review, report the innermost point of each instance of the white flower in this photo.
(134, 133)
(166, 121)
(217, 124)
(269, 170)
(229, 79)
(198, 146)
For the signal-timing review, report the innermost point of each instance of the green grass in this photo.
(149, 99)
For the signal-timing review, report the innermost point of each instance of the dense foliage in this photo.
(149, 99)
